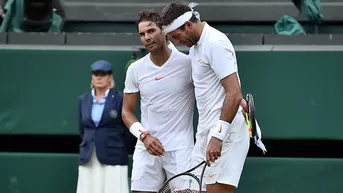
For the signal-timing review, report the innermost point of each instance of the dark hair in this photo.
(174, 10)
(149, 15)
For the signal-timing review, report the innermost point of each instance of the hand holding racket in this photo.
(185, 182)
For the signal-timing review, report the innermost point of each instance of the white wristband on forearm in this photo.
(221, 129)
(137, 129)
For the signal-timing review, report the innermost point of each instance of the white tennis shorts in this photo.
(150, 172)
(228, 168)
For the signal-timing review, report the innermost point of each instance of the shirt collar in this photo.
(106, 93)
(203, 34)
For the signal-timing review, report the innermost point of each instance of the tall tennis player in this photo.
(222, 137)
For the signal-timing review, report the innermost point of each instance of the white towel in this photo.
(258, 139)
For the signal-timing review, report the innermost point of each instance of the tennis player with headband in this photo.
(222, 136)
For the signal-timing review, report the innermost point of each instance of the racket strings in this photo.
(250, 115)
(181, 184)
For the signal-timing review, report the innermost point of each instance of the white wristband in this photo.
(221, 129)
(136, 129)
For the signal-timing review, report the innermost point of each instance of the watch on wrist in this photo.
(143, 135)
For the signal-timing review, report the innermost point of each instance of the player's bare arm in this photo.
(233, 98)
(129, 105)
(152, 144)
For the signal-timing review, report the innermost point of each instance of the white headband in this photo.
(178, 22)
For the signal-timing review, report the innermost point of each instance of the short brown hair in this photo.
(149, 15)
(174, 10)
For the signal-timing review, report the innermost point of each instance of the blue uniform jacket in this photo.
(109, 136)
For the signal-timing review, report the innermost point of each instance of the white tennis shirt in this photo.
(213, 58)
(166, 97)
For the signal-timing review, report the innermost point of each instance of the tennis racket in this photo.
(251, 116)
(185, 182)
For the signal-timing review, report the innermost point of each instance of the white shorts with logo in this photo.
(227, 169)
(150, 172)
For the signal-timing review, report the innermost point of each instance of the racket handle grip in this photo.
(249, 124)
